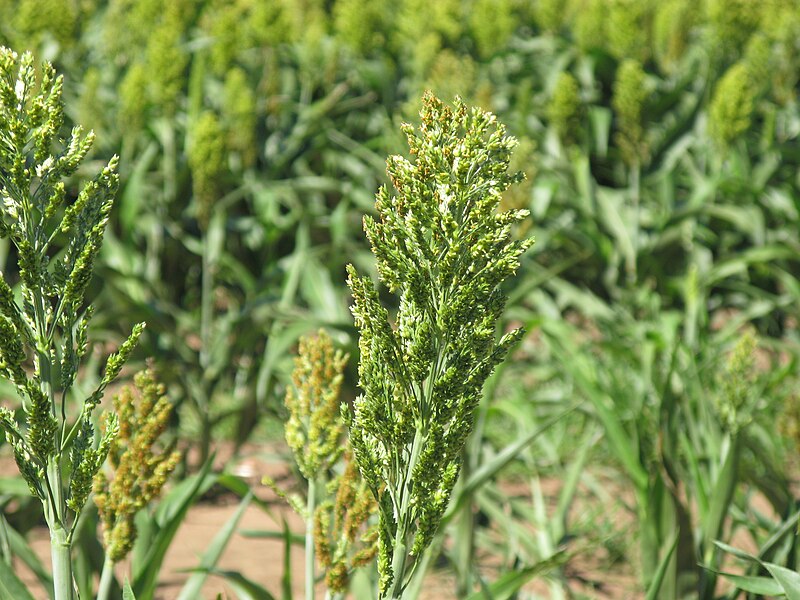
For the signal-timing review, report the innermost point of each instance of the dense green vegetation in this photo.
(661, 299)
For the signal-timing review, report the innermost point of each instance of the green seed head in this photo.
(442, 246)
(630, 95)
(732, 105)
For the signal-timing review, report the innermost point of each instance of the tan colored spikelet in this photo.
(314, 427)
(141, 465)
(345, 539)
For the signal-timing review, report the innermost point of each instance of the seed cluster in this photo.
(441, 245)
(140, 468)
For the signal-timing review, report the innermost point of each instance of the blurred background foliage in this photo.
(660, 144)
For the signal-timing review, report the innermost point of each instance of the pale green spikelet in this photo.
(44, 328)
(90, 108)
(362, 24)
(123, 35)
(422, 29)
(673, 22)
(208, 162)
(222, 22)
(40, 21)
(565, 108)
(118, 359)
(731, 24)
(449, 74)
(550, 15)
(343, 538)
(492, 23)
(441, 245)
(166, 62)
(629, 24)
(758, 58)
(734, 403)
(781, 23)
(518, 196)
(732, 105)
(140, 461)
(308, 19)
(630, 95)
(590, 26)
(132, 94)
(270, 24)
(239, 113)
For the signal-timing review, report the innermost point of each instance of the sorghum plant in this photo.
(443, 247)
(314, 429)
(140, 468)
(57, 243)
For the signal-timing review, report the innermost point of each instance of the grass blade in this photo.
(127, 592)
(509, 584)
(763, 586)
(245, 588)
(169, 515)
(661, 571)
(286, 580)
(209, 561)
(11, 588)
(788, 580)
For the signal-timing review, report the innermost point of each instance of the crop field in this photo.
(455, 299)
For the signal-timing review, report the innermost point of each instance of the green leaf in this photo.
(11, 588)
(722, 494)
(127, 592)
(296, 539)
(661, 570)
(764, 586)
(212, 555)
(509, 584)
(170, 514)
(22, 550)
(245, 588)
(788, 580)
(286, 580)
(735, 551)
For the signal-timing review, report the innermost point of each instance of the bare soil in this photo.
(596, 574)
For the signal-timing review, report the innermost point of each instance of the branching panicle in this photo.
(441, 245)
(58, 454)
(140, 466)
(314, 428)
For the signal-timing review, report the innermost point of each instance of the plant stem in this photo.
(310, 507)
(464, 540)
(55, 507)
(206, 324)
(404, 521)
(60, 551)
(106, 578)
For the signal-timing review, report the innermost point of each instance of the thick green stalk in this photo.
(55, 512)
(106, 577)
(60, 547)
(310, 564)
(60, 552)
